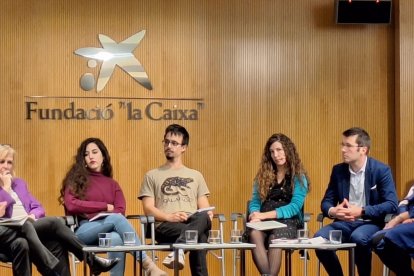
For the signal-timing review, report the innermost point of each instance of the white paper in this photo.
(100, 215)
(203, 210)
(265, 225)
(20, 220)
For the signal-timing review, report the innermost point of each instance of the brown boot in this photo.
(152, 269)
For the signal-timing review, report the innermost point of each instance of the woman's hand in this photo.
(410, 220)
(3, 206)
(258, 216)
(6, 180)
(31, 217)
(109, 208)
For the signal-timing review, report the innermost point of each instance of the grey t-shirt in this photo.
(174, 190)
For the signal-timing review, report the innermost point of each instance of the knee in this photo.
(20, 244)
(116, 218)
(116, 239)
(360, 239)
(323, 232)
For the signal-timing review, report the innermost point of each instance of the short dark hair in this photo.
(363, 139)
(178, 130)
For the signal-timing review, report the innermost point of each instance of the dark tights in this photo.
(266, 260)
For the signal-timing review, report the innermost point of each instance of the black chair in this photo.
(5, 261)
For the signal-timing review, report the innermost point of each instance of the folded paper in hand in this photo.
(203, 210)
(16, 221)
(100, 215)
(265, 225)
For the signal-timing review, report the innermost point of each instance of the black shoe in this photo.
(99, 264)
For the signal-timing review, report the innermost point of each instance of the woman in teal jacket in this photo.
(279, 190)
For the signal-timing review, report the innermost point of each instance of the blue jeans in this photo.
(359, 232)
(395, 247)
(115, 224)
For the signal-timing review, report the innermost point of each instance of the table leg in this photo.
(85, 261)
(288, 269)
(135, 263)
(242, 262)
(176, 273)
(351, 261)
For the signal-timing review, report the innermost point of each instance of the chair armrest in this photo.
(320, 217)
(220, 217)
(307, 217)
(389, 217)
(236, 216)
(70, 221)
(143, 220)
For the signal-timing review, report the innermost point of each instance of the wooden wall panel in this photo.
(258, 67)
(405, 100)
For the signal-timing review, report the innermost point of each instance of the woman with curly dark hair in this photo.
(279, 190)
(89, 189)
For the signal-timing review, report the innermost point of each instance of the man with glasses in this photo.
(172, 194)
(360, 193)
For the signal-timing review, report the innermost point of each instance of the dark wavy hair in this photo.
(76, 178)
(266, 175)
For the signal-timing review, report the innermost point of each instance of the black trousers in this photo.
(50, 240)
(174, 232)
(17, 250)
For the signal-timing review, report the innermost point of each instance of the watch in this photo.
(362, 212)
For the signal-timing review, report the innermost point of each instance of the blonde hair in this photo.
(5, 151)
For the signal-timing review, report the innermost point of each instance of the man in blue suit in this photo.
(360, 193)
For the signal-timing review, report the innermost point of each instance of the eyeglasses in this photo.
(348, 146)
(166, 142)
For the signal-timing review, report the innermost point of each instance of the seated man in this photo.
(15, 248)
(171, 193)
(360, 193)
(395, 244)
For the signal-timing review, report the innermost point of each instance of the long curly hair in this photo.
(266, 175)
(76, 178)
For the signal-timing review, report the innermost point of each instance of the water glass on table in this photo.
(335, 236)
(104, 239)
(236, 236)
(214, 236)
(191, 236)
(303, 235)
(129, 238)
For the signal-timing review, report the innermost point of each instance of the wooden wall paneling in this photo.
(257, 68)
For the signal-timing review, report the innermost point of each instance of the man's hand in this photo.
(3, 206)
(177, 217)
(345, 211)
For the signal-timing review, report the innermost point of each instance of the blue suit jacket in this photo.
(380, 195)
